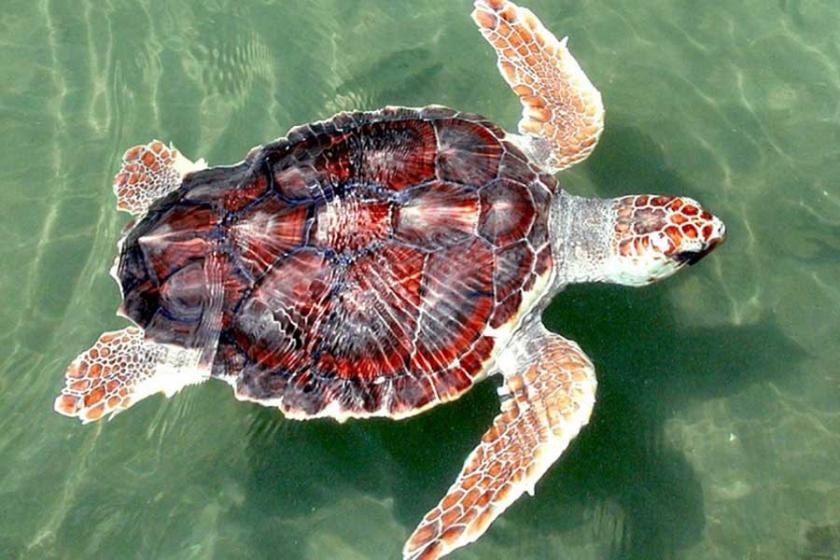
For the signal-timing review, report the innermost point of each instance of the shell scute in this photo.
(268, 231)
(506, 309)
(436, 112)
(544, 260)
(516, 169)
(538, 234)
(512, 264)
(457, 304)
(468, 152)
(507, 212)
(437, 215)
(411, 393)
(455, 382)
(295, 184)
(235, 200)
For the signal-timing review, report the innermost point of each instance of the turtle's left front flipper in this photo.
(562, 112)
(548, 397)
(149, 172)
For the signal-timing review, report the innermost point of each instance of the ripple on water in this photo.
(716, 430)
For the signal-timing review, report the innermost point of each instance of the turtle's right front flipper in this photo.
(562, 112)
(548, 397)
(149, 172)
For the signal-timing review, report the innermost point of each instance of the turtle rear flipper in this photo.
(548, 396)
(562, 112)
(121, 369)
(149, 172)
(125, 366)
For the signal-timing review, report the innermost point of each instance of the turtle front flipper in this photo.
(562, 112)
(548, 396)
(149, 172)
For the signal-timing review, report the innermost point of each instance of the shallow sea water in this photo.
(717, 431)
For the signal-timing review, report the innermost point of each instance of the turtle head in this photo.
(636, 240)
(655, 236)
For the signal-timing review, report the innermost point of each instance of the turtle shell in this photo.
(374, 263)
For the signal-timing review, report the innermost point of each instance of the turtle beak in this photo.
(716, 237)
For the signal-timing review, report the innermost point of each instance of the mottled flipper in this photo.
(548, 397)
(149, 172)
(121, 369)
(562, 112)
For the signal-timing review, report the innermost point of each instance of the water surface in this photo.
(717, 431)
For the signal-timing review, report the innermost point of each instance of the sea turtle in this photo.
(381, 263)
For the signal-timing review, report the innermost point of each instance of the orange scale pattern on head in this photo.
(624, 247)
(661, 200)
(674, 234)
(679, 220)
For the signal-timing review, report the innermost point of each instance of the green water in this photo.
(717, 431)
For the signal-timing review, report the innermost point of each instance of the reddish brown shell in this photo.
(370, 260)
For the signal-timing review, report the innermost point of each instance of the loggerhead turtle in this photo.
(381, 263)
